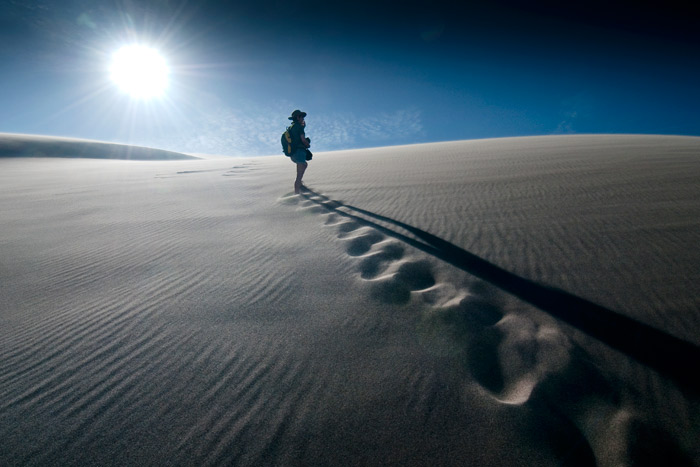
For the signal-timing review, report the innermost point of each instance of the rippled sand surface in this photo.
(522, 301)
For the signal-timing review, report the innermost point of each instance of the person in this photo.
(300, 143)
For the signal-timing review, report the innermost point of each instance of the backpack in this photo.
(287, 142)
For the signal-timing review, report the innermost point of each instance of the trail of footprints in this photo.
(515, 360)
(245, 167)
(474, 319)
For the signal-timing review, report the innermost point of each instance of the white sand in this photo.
(524, 301)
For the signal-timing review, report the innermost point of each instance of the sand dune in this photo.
(523, 301)
(15, 145)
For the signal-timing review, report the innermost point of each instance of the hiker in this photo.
(300, 144)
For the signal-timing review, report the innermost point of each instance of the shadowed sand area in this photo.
(521, 301)
(655, 348)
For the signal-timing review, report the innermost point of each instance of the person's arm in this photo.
(304, 141)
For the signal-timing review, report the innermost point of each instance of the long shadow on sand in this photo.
(673, 357)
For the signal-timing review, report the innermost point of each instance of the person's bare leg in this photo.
(301, 168)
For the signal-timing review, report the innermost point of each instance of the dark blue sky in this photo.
(369, 73)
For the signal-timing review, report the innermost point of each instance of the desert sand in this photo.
(508, 302)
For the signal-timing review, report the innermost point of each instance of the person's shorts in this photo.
(299, 156)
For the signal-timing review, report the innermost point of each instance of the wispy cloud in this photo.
(572, 109)
(253, 130)
(349, 130)
(226, 131)
(567, 124)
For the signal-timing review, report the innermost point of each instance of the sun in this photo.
(139, 71)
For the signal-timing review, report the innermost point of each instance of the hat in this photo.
(297, 113)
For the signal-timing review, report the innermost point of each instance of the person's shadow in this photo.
(668, 355)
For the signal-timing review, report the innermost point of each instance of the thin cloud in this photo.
(573, 108)
(349, 131)
(243, 132)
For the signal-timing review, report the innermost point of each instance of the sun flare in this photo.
(139, 71)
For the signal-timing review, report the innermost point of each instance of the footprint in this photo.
(373, 265)
(471, 316)
(314, 209)
(187, 172)
(289, 199)
(410, 276)
(330, 204)
(347, 227)
(358, 246)
(311, 207)
(333, 219)
(183, 172)
(508, 355)
(464, 329)
(526, 353)
(247, 167)
(391, 292)
(321, 200)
